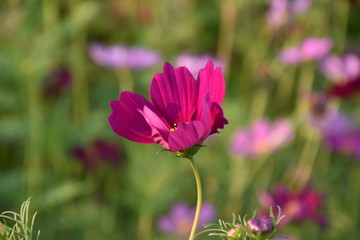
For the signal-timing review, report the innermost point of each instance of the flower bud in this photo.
(260, 224)
(235, 232)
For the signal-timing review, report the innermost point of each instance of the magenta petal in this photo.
(174, 93)
(127, 121)
(186, 135)
(159, 128)
(212, 80)
(219, 120)
(204, 114)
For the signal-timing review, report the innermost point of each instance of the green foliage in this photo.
(238, 230)
(18, 226)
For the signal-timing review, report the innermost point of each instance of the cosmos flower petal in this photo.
(204, 114)
(169, 91)
(291, 55)
(218, 117)
(313, 48)
(212, 80)
(351, 66)
(159, 127)
(331, 67)
(186, 135)
(127, 121)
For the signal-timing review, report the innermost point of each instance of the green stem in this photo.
(199, 198)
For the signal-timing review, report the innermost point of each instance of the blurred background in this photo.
(292, 72)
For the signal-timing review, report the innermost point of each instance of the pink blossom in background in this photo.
(183, 112)
(121, 57)
(278, 13)
(341, 70)
(195, 62)
(300, 6)
(296, 206)
(310, 49)
(179, 220)
(261, 138)
(282, 12)
(97, 152)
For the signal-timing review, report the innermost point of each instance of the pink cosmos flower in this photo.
(121, 57)
(183, 112)
(281, 12)
(195, 63)
(310, 49)
(261, 138)
(296, 207)
(341, 70)
(180, 219)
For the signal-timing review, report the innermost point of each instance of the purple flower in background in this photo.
(57, 81)
(310, 49)
(325, 117)
(281, 12)
(195, 63)
(121, 57)
(99, 151)
(181, 216)
(302, 206)
(347, 143)
(341, 70)
(336, 128)
(261, 138)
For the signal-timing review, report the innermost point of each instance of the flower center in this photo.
(176, 127)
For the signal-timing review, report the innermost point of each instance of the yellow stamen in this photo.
(173, 128)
